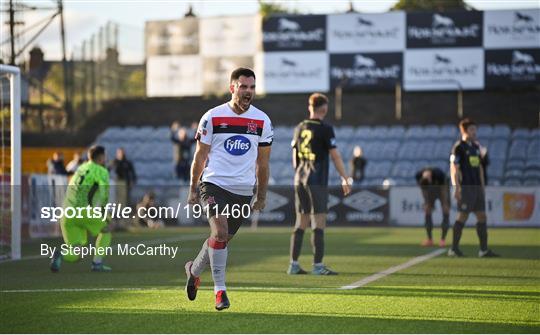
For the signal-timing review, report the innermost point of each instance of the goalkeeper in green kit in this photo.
(89, 186)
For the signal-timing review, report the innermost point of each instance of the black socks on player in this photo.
(317, 241)
(429, 225)
(481, 230)
(458, 229)
(445, 224)
(296, 243)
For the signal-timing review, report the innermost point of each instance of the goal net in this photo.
(10, 162)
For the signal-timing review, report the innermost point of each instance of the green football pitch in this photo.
(144, 294)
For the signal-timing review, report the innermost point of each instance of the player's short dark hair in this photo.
(242, 71)
(95, 151)
(317, 100)
(465, 124)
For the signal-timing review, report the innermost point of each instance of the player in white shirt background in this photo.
(232, 156)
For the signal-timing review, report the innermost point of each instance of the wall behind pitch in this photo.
(174, 37)
(168, 76)
(448, 29)
(347, 33)
(443, 69)
(292, 72)
(217, 70)
(517, 67)
(505, 206)
(230, 36)
(505, 29)
(294, 32)
(372, 70)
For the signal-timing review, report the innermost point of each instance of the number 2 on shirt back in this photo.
(305, 145)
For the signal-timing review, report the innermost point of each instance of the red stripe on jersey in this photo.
(236, 121)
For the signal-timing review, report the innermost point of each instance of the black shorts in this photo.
(433, 192)
(473, 199)
(214, 195)
(311, 199)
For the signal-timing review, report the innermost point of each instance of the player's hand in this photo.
(346, 186)
(193, 197)
(259, 204)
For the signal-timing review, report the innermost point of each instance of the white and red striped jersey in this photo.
(234, 141)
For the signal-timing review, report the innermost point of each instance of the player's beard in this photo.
(244, 102)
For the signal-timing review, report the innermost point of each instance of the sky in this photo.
(84, 17)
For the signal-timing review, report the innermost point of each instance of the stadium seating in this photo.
(394, 153)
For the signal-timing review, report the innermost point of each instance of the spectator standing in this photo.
(55, 165)
(125, 176)
(358, 165)
(182, 151)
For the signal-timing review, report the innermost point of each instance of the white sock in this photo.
(218, 263)
(294, 263)
(98, 259)
(202, 261)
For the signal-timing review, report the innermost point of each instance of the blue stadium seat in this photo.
(415, 132)
(449, 132)
(515, 164)
(396, 132)
(533, 150)
(501, 131)
(485, 132)
(521, 133)
(518, 149)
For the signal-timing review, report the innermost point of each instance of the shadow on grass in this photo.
(521, 296)
(144, 321)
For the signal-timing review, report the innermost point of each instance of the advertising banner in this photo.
(362, 207)
(504, 29)
(375, 70)
(444, 69)
(448, 29)
(294, 32)
(45, 191)
(217, 72)
(230, 36)
(366, 32)
(292, 72)
(512, 67)
(168, 76)
(505, 206)
(178, 37)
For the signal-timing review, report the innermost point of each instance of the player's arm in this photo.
(340, 167)
(263, 173)
(293, 145)
(455, 172)
(482, 177)
(204, 140)
(197, 166)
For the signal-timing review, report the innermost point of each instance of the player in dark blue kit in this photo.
(434, 185)
(313, 142)
(468, 179)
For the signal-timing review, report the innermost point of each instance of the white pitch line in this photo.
(393, 269)
(148, 242)
(180, 288)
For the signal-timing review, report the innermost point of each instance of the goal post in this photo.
(14, 75)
